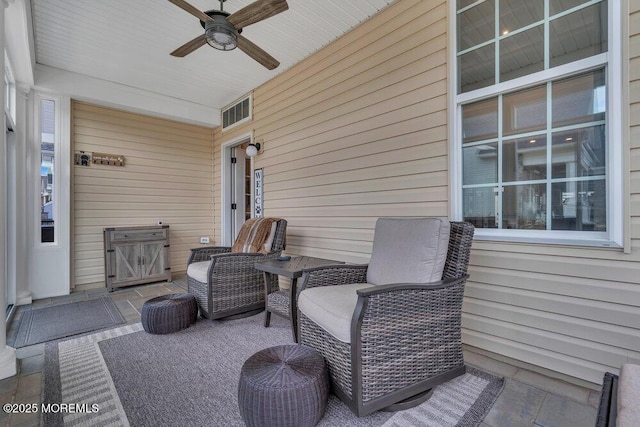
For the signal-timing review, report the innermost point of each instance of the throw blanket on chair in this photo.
(256, 235)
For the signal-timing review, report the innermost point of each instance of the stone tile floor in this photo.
(528, 399)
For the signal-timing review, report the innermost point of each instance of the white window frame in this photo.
(248, 96)
(612, 59)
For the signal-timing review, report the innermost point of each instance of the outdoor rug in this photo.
(65, 320)
(125, 376)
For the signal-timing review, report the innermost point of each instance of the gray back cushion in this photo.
(408, 250)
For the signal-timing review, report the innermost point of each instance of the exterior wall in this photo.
(355, 132)
(359, 131)
(167, 176)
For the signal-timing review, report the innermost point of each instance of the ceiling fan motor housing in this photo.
(219, 32)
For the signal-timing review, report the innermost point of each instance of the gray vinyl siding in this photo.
(168, 176)
(359, 130)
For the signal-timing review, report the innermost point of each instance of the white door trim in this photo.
(225, 215)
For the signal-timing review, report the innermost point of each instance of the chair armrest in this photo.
(204, 253)
(394, 287)
(330, 275)
(227, 268)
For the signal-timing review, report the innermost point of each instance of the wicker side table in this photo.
(286, 385)
(169, 313)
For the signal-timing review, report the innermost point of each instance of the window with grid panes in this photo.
(532, 103)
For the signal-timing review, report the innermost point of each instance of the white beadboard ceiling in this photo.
(128, 42)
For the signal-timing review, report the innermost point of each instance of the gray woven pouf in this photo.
(286, 385)
(169, 313)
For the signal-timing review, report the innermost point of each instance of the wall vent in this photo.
(238, 112)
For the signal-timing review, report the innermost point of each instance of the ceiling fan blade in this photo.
(190, 46)
(192, 10)
(257, 11)
(257, 53)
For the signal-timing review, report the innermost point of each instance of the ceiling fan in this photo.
(222, 30)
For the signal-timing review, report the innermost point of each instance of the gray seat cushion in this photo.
(199, 271)
(408, 250)
(331, 307)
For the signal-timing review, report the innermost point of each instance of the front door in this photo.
(240, 188)
(236, 187)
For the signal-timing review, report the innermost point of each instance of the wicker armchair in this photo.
(226, 283)
(402, 339)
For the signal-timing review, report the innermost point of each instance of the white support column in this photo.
(7, 354)
(23, 293)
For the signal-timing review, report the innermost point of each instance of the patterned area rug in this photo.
(125, 376)
(65, 320)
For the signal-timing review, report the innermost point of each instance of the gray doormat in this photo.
(65, 320)
(191, 378)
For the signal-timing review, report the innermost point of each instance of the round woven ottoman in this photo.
(169, 313)
(286, 385)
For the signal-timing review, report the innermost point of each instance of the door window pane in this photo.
(47, 177)
(578, 35)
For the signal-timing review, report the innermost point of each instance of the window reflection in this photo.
(569, 42)
(480, 164)
(47, 157)
(536, 174)
(476, 25)
(479, 206)
(480, 120)
(477, 68)
(579, 205)
(524, 207)
(524, 159)
(579, 99)
(522, 54)
(579, 153)
(515, 14)
(525, 111)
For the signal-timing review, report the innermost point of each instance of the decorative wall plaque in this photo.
(108, 159)
(82, 158)
(257, 206)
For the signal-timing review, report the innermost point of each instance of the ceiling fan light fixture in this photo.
(220, 34)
